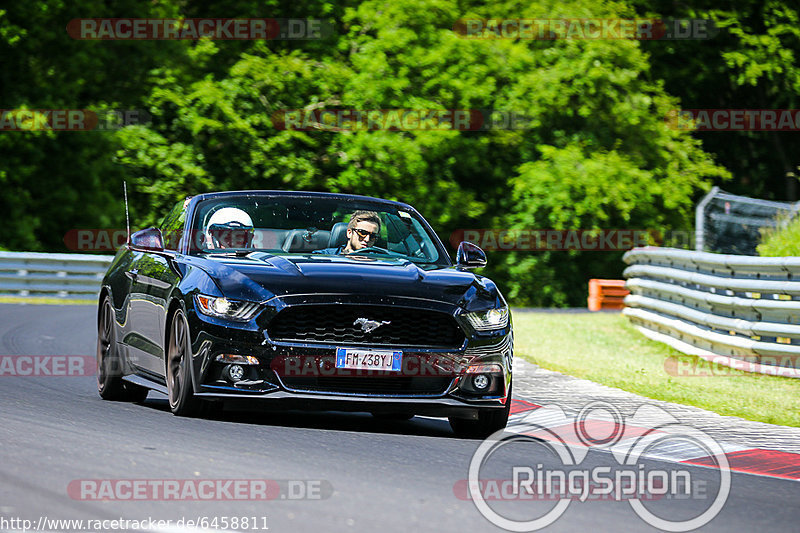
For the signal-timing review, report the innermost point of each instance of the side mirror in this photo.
(470, 256)
(148, 239)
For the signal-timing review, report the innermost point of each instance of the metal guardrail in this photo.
(739, 311)
(72, 276)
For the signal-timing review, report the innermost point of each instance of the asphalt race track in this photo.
(362, 474)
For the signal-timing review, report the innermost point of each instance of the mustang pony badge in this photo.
(368, 326)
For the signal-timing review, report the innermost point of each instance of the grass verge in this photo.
(605, 348)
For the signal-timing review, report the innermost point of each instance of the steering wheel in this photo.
(370, 250)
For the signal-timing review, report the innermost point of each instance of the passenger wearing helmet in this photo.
(229, 227)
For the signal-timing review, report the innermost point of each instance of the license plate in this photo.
(356, 359)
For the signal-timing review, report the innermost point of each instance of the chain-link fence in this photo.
(730, 224)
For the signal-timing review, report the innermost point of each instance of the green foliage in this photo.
(595, 153)
(54, 182)
(781, 241)
(751, 64)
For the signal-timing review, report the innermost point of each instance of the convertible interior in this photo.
(308, 240)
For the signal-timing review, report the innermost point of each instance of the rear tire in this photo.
(110, 385)
(182, 401)
(488, 422)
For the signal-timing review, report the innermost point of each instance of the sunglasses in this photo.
(364, 234)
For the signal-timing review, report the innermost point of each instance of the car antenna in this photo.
(127, 218)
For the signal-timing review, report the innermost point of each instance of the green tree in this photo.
(597, 151)
(53, 182)
(751, 63)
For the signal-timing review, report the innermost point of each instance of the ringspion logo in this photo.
(556, 470)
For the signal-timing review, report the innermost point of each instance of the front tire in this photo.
(182, 401)
(488, 422)
(110, 385)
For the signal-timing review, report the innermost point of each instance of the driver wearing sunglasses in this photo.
(362, 231)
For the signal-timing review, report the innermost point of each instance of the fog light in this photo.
(235, 372)
(484, 369)
(235, 358)
(480, 382)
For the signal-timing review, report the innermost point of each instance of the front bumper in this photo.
(282, 400)
(302, 376)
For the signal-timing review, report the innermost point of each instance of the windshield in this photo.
(285, 225)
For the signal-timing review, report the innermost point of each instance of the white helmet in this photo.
(229, 227)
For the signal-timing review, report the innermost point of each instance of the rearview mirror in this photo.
(470, 256)
(148, 239)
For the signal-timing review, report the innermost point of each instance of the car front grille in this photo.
(391, 386)
(336, 324)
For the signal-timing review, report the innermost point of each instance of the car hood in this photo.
(262, 276)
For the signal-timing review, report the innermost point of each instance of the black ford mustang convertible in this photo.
(296, 300)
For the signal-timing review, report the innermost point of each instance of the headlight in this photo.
(224, 308)
(488, 320)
